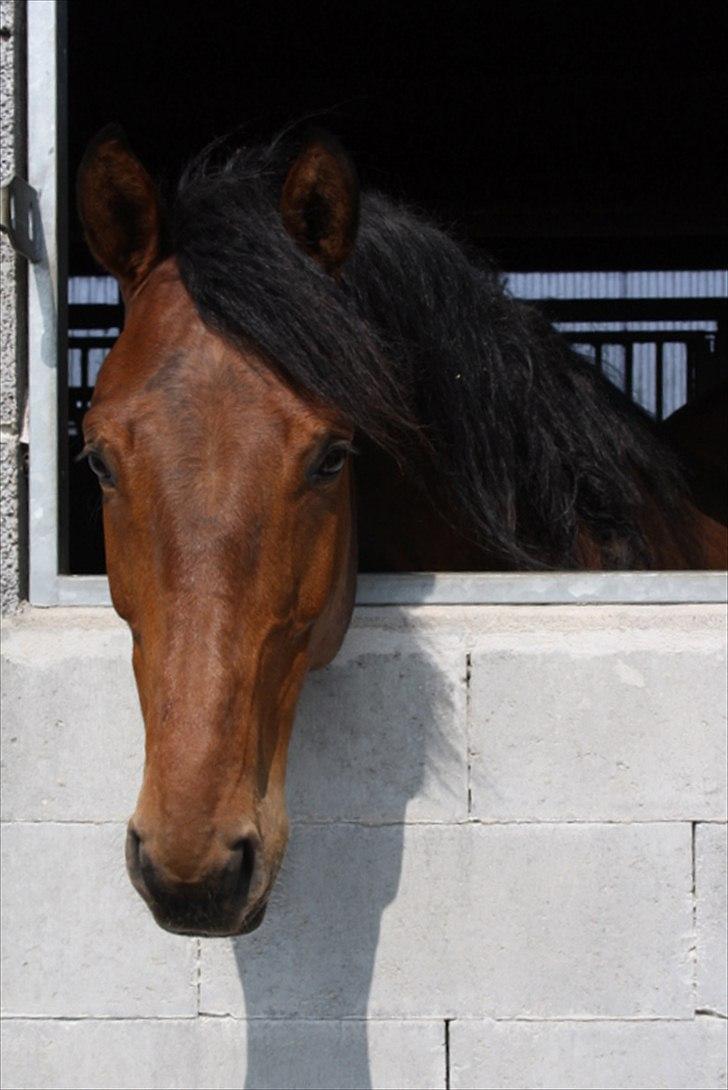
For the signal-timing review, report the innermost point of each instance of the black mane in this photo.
(421, 346)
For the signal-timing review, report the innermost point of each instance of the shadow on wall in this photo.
(372, 737)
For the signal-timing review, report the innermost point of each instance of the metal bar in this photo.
(489, 588)
(629, 310)
(95, 315)
(646, 336)
(91, 342)
(63, 469)
(42, 307)
(629, 369)
(693, 355)
(659, 357)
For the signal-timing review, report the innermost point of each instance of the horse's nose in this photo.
(213, 904)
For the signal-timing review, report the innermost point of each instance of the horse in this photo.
(293, 347)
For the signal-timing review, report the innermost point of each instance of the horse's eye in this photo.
(332, 463)
(100, 468)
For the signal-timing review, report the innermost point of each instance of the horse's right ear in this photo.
(320, 202)
(119, 208)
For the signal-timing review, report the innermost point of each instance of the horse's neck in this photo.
(696, 433)
(713, 537)
(400, 528)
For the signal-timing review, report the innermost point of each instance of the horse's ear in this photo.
(119, 208)
(320, 202)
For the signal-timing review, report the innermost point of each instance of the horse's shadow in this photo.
(372, 745)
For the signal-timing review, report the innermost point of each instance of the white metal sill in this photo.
(48, 588)
(484, 588)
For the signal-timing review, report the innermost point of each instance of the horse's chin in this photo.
(253, 922)
(249, 924)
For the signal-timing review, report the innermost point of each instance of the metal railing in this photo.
(93, 328)
(683, 340)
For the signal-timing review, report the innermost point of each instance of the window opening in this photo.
(659, 334)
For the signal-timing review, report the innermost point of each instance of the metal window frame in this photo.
(49, 587)
(42, 99)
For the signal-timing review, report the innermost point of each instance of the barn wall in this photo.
(12, 282)
(507, 864)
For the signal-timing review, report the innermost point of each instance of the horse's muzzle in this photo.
(218, 904)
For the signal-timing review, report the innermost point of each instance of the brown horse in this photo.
(270, 325)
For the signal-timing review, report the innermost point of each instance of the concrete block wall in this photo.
(12, 283)
(506, 869)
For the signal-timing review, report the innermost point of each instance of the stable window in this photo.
(657, 333)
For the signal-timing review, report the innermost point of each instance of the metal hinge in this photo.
(20, 218)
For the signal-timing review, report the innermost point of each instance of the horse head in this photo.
(230, 541)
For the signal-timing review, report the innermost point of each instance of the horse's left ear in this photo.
(320, 202)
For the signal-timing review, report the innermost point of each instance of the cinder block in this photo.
(444, 921)
(588, 1055)
(72, 734)
(41, 1054)
(380, 734)
(590, 726)
(77, 940)
(221, 1053)
(345, 1055)
(711, 880)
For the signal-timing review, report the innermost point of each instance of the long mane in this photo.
(420, 345)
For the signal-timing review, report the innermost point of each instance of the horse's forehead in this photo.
(168, 364)
(163, 338)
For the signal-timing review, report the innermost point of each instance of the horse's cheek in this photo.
(118, 564)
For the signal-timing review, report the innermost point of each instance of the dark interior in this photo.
(570, 135)
(561, 135)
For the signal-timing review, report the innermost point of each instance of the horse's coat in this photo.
(284, 323)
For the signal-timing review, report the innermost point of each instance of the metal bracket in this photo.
(20, 218)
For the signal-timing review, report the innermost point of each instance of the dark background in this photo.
(556, 134)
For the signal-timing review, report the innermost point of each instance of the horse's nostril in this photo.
(134, 861)
(243, 865)
(133, 844)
